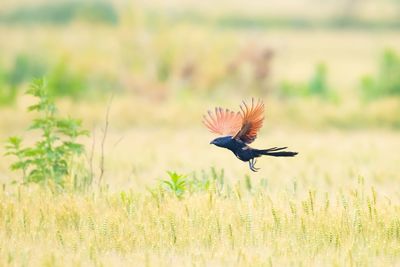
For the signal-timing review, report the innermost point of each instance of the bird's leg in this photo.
(254, 164)
(251, 165)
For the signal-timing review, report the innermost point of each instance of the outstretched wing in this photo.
(223, 122)
(252, 120)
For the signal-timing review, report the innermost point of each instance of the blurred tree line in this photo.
(166, 65)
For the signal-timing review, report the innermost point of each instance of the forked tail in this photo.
(275, 152)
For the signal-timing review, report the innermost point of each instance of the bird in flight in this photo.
(239, 129)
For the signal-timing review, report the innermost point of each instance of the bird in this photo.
(239, 129)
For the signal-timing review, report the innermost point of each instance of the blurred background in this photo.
(328, 71)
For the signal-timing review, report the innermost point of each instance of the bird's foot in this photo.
(252, 166)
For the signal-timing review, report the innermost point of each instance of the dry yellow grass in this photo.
(334, 204)
(352, 226)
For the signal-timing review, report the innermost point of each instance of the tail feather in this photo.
(274, 149)
(275, 152)
(281, 154)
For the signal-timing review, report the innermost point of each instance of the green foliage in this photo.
(247, 180)
(289, 89)
(179, 184)
(7, 93)
(240, 21)
(24, 68)
(164, 66)
(52, 158)
(387, 81)
(209, 181)
(316, 86)
(63, 81)
(62, 13)
(176, 183)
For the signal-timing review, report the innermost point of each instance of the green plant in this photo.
(316, 86)
(209, 181)
(53, 156)
(176, 184)
(7, 94)
(25, 68)
(387, 81)
(63, 81)
(179, 184)
(62, 12)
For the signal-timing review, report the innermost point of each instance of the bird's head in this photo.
(222, 141)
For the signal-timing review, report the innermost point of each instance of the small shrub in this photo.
(53, 157)
(176, 183)
(387, 81)
(7, 93)
(25, 69)
(316, 86)
(179, 184)
(63, 81)
(289, 89)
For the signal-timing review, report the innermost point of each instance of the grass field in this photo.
(164, 64)
(334, 204)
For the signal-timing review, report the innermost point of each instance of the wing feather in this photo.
(223, 122)
(252, 120)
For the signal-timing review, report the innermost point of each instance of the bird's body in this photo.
(240, 149)
(240, 130)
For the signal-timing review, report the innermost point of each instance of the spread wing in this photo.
(252, 120)
(223, 122)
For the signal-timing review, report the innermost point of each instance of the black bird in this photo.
(239, 130)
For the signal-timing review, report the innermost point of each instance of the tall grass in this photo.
(386, 82)
(353, 227)
(317, 209)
